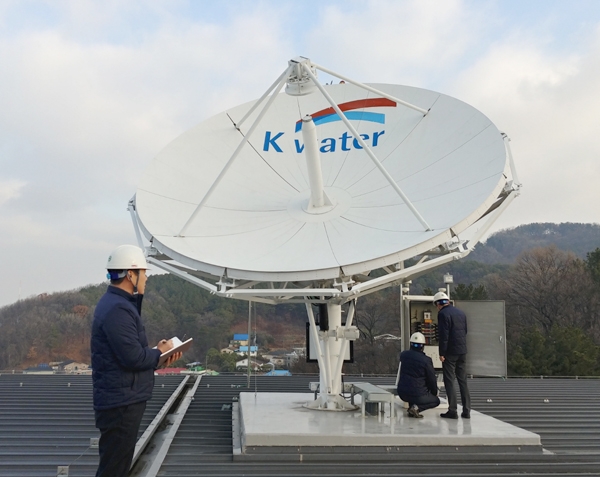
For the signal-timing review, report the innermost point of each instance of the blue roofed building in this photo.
(244, 350)
(240, 339)
(42, 368)
(278, 372)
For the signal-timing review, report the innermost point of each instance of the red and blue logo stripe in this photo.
(329, 115)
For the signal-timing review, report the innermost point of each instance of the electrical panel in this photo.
(486, 340)
(423, 318)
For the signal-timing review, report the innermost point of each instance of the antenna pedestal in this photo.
(331, 341)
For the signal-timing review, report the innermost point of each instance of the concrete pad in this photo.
(279, 421)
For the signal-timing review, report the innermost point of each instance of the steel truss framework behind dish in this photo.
(300, 197)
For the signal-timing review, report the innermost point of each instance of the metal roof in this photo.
(45, 423)
(567, 422)
(48, 420)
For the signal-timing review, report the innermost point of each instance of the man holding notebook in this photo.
(122, 362)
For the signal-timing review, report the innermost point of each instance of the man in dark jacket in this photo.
(122, 363)
(452, 333)
(417, 384)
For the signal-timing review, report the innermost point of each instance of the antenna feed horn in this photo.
(299, 82)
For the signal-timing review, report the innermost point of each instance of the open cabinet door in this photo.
(486, 337)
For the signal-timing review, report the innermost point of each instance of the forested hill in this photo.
(506, 245)
(57, 326)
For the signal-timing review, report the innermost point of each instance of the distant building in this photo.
(42, 368)
(282, 357)
(278, 372)
(276, 357)
(194, 368)
(165, 371)
(70, 366)
(227, 351)
(244, 350)
(387, 337)
(243, 363)
(291, 358)
(300, 351)
(239, 339)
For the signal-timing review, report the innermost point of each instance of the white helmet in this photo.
(127, 257)
(440, 296)
(418, 338)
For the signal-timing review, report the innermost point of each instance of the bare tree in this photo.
(548, 287)
(375, 316)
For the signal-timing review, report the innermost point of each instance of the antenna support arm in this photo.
(368, 150)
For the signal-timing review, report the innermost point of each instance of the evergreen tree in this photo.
(566, 351)
(592, 263)
(470, 292)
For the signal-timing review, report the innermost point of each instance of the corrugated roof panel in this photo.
(48, 420)
(45, 423)
(202, 447)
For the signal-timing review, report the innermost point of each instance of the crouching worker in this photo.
(417, 384)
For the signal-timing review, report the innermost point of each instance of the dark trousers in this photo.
(424, 402)
(118, 435)
(455, 368)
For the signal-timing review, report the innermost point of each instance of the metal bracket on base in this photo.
(331, 403)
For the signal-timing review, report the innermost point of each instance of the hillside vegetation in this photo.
(57, 326)
(505, 246)
(548, 274)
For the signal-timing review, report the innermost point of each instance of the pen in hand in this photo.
(164, 345)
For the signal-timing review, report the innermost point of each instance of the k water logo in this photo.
(345, 142)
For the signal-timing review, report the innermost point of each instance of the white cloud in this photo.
(9, 189)
(548, 103)
(81, 120)
(91, 116)
(410, 42)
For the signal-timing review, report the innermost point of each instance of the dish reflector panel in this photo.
(450, 163)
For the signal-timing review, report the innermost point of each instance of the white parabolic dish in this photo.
(450, 163)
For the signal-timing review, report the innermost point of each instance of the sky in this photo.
(91, 91)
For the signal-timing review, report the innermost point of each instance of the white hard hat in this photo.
(417, 338)
(127, 257)
(440, 296)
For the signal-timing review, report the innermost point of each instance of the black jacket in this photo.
(122, 363)
(452, 331)
(417, 376)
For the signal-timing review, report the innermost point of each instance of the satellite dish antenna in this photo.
(299, 196)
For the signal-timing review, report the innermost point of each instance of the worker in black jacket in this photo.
(452, 333)
(417, 384)
(122, 362)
